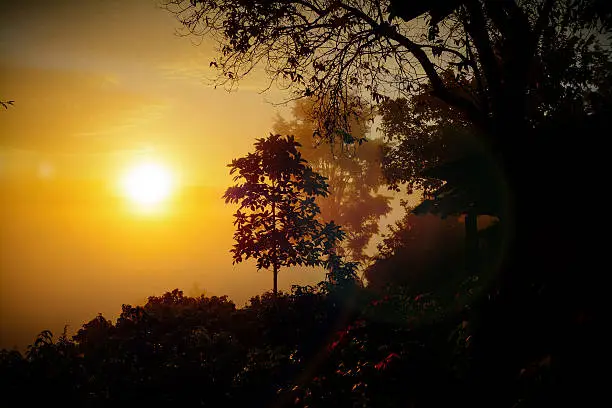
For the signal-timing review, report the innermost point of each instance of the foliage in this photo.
(353, 174)
(517, 71)
(305, 348)
(333, 49)
(427, 254)
(5, 104)
(421, 133)
(276, 223)
(328, 49)
(570, 70)
(526, 75)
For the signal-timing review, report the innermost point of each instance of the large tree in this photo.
(524, 74)
(487, 60)
(276, 223)
(354, 177)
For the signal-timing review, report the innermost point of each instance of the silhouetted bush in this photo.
(315, 347)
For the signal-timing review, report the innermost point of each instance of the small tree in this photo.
(276, 222)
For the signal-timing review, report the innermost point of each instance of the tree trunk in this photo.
(274, 253)
(275, 287)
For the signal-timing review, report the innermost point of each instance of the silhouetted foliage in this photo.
(276, 223)
(517, 71)
(422, 132)
(354, 177)
(306, 348)
(5, 104)
(528, 76)
(493, 46)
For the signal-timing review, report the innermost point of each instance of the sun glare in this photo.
(148, 183)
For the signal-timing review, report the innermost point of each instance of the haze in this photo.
(98, 86)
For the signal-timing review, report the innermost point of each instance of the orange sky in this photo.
(99, 85)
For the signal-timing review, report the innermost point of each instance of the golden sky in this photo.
(111, 80)
(98, 86)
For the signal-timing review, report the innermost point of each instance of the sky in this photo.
(99, 86)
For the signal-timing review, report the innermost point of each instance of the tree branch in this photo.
(477, 29)
(439, 89)
(450, 51)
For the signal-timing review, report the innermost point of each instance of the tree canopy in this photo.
(276, 223)
(333, 49)
(523, 74)
(516, 71)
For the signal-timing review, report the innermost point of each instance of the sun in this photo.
(148, 183)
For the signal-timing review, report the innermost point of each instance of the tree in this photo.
(431, 147)
(530, 77)
(323, 48)
(354, 178)
(276, 222)
(489, 61)
(421, 132)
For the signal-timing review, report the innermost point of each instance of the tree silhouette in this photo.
(528, 76)
(354, 177)
(491, 61)
(324, 47)
(421, 132)
(277, 219)
(432, 147)
(434, 143)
